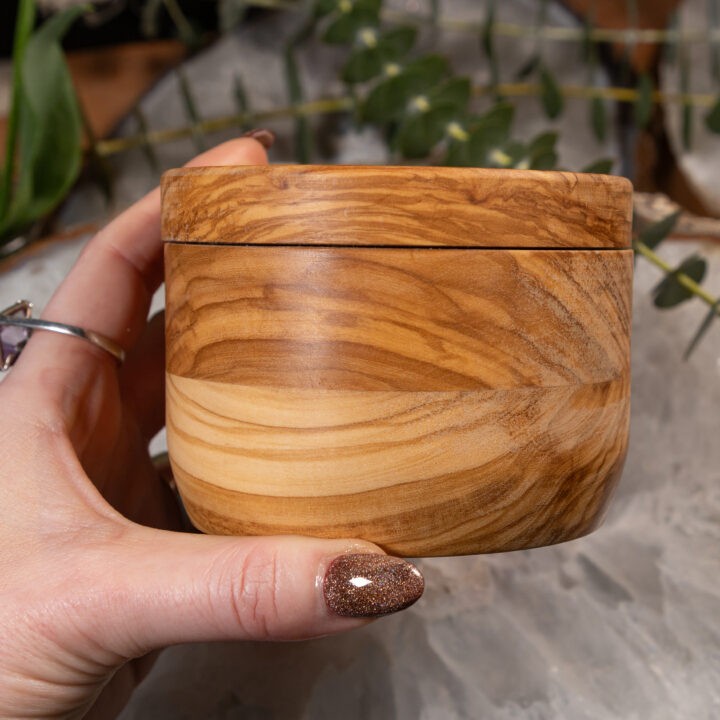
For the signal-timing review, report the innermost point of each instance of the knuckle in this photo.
(254, 590)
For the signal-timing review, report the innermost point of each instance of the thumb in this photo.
(171, 588)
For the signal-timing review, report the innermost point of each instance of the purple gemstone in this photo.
(12, 340)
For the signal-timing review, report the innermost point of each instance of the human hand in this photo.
(92, 578)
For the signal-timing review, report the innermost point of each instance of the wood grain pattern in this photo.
(435, 401)
(371, 205)
(378, 319)
(417, 473)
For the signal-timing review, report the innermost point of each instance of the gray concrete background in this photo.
(622, 624)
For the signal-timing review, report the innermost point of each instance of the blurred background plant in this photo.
(389, 77)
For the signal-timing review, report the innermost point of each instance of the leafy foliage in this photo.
(552, 99)
(712, 119)
(603, 166)
(644, 102)
(44, 151)
(671, 291)
(598, 118)
(654, 234)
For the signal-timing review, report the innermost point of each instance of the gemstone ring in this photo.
(17, 324)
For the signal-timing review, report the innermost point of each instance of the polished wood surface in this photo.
(378, 318)
(436, 473)
(435, 401)
(378, 206)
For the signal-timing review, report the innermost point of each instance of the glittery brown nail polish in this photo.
(369, 584)
(265, 137)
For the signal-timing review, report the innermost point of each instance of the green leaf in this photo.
(711, 316)
(149, 18)
(325, 7)
(388, 100)
(544, 161)
(303, 135)
(363, 64)
(598, 118)
(552, 99)
(603, 166)
(421, 131)
(644, 101)
(687, 125)
(146, 147)
(515, 151)
(487, 41)
(369, 6)
(670, 292)
(714, 23)
(430, 69)
(458, 155)
(49, 130)
(493, 128)
(490, 132)
(712, 119)
(654, 234)
(397, 43)
(191, 109)
(240, 95)
(23, 30)
(366, 63)
(544, 142)
(588, 51)
(454, 92)
(487, 34)
(687, 108)
(530, 67)
(541, 153)
(344, 29)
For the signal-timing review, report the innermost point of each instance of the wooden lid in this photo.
(380, 206)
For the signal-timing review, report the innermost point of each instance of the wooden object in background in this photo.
(111, 81)
(433, 359)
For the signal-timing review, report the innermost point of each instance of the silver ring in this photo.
(17, 325)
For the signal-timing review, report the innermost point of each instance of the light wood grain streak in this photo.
(369, 205)
(495, 474)
(416, 320)
(282, 442)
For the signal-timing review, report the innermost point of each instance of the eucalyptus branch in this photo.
(324, 106)
(114, 146)
(687, 282)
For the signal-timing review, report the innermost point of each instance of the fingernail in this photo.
(370, 584)
(265, 137)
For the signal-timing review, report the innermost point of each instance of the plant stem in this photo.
(338, 104)
(608, 93)
(687, 282)
(23, 30)
(155, 137)
(184, 28)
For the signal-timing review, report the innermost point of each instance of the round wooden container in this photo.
(433, 359)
